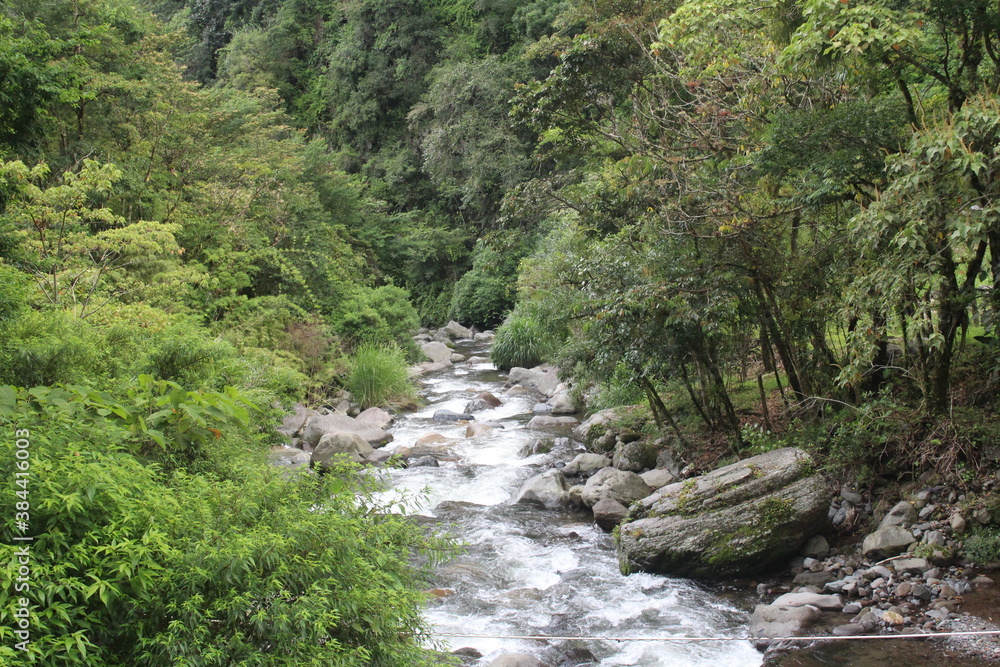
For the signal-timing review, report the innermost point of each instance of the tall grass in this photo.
(378, 375)
(520, 341)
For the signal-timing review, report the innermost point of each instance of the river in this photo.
(528, 571)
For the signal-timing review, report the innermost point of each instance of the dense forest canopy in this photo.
(209, 207)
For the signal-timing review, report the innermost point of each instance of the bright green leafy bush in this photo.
(237, 565)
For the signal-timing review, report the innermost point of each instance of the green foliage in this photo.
(378, 375)
(486, 293)
(13, 292)
(129, 562)
(380, 316)
(983, 545)
(43, 348)
(520, 341)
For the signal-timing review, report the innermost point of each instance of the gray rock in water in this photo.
(456, 331)
(451, 416)
(548, 489)
(887, 541)
(625, 487)
(375, 417)
(902, 513)
(542, 409)
(774, 621)
(545, 421)
(437, 352)
(542, 379)
(848, 630)
(319, 425)
(738, 520)
(423, 462)
(476, 429)
(476, 405)
(334, 445)
(586, 463)
(608, 513)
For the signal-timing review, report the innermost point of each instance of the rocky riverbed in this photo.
(535, 493)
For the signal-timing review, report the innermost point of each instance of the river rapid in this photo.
(529, 571)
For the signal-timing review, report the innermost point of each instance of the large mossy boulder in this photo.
(738, 520)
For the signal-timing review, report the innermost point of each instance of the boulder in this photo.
(657, 478)
(902, 513)
(437, 352)
(457, 358)
(594, 426)
(562, 404)
(433, 439)
(291, 457)
(451, 416)
(476, 405)
(608, 513)
(292, 424)
(816, 547)
(774, 621)
(823, 602)
(375, 417)
(625, 487)
(488, 398)
(334, 445)
(475, 429)
(548, 489)
(910, 565)
(427, 367)
(475, 359)
(586, 463)
(634, 456)
(319, 425)
(456, 331)
(423, 462)
(543, 379)
(738, 520)
(886, 542)
(545, 421)
(484, 335)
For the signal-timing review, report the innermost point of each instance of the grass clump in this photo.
(378, 375)
(983, 545)
(521, 341)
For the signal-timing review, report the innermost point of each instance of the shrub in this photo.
(485, 293)
(48, 347)
(983, 545)
(520, 341)
(381, 316)
(134, 566)
(185, 353)
(378, 375)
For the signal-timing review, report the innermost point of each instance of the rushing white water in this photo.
(531, 571)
